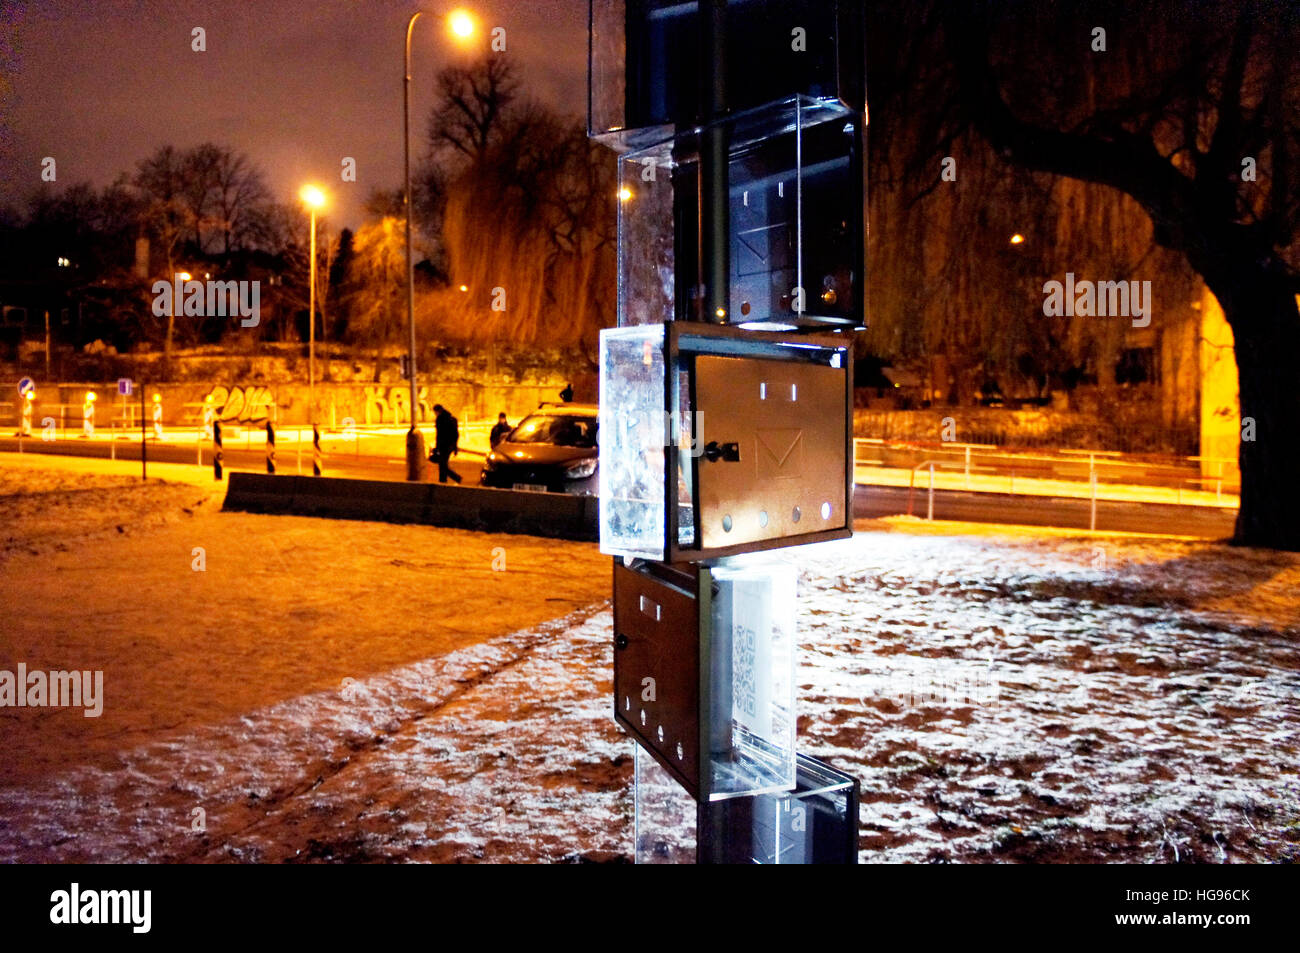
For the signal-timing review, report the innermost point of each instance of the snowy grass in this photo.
(1003, 695)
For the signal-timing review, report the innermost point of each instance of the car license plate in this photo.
(531, 487)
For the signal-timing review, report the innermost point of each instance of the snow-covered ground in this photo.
(357, 691)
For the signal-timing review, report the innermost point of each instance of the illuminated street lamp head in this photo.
(1017, 239)
(624, 194)
(461, 24)
(312, 195)
(183, 275)
(30, 395)
(90, 395)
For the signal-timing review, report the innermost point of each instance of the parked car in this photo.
(552, 450)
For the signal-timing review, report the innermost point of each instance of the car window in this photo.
(559, 431)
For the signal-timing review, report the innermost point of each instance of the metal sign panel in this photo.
(786, 476)
(657, 665)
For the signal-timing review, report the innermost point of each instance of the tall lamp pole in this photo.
(314, 198)
(462, 25)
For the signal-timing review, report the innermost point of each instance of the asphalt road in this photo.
(869, 501)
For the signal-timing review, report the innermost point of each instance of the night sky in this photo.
(296, 85)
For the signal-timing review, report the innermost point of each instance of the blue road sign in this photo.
(124, 386)
(25, 385)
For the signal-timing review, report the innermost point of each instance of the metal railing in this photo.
(998, 469)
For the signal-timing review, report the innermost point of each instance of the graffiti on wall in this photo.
(392, 405)
(383, 404)
(247, 405)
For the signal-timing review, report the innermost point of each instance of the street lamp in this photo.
(461, 25)
(314, 199)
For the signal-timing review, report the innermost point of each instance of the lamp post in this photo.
(461, 25)
(314, 198)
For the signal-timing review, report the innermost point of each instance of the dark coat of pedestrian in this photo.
(446, 443)
(500, 431)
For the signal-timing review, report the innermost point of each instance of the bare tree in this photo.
(472, 103)
(227, 192)
(161, 180)
(1193, 111)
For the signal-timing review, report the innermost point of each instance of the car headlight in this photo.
(490, 461)
(581, 469)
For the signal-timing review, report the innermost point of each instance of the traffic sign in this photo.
(124, 386)
(25, 385)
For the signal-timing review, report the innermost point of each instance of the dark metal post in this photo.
(715, 224)
(414, 439)
(144, 451)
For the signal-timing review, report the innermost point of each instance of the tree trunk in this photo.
(1262, 312)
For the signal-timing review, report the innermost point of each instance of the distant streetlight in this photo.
(314, 198)
(624, 194)
(1017, 239)
(461, 25)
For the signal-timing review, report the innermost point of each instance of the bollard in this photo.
(270, 448)
(1092, 518)
(157, 417)
(929, 509)
(25, 430)
(88, 415)
(216, 453)
(315, 451)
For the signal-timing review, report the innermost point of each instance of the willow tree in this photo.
(1193, 111)
(374, 285)
(525, 213)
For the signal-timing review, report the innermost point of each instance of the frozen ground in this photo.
(357, 691)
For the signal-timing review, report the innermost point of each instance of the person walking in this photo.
(500, 430)
(446, 443)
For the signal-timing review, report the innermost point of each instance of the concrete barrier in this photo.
(465, 507)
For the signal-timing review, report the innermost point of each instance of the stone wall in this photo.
(250, 389)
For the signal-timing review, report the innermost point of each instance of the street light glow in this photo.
(312, 195)
(183, 275)
(1017, 239)
(461, 23)
(624, 194)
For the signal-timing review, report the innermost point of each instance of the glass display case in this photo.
(717, 441)
(816, 823)
(644, 60)
(704, 672)
(794, 222)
